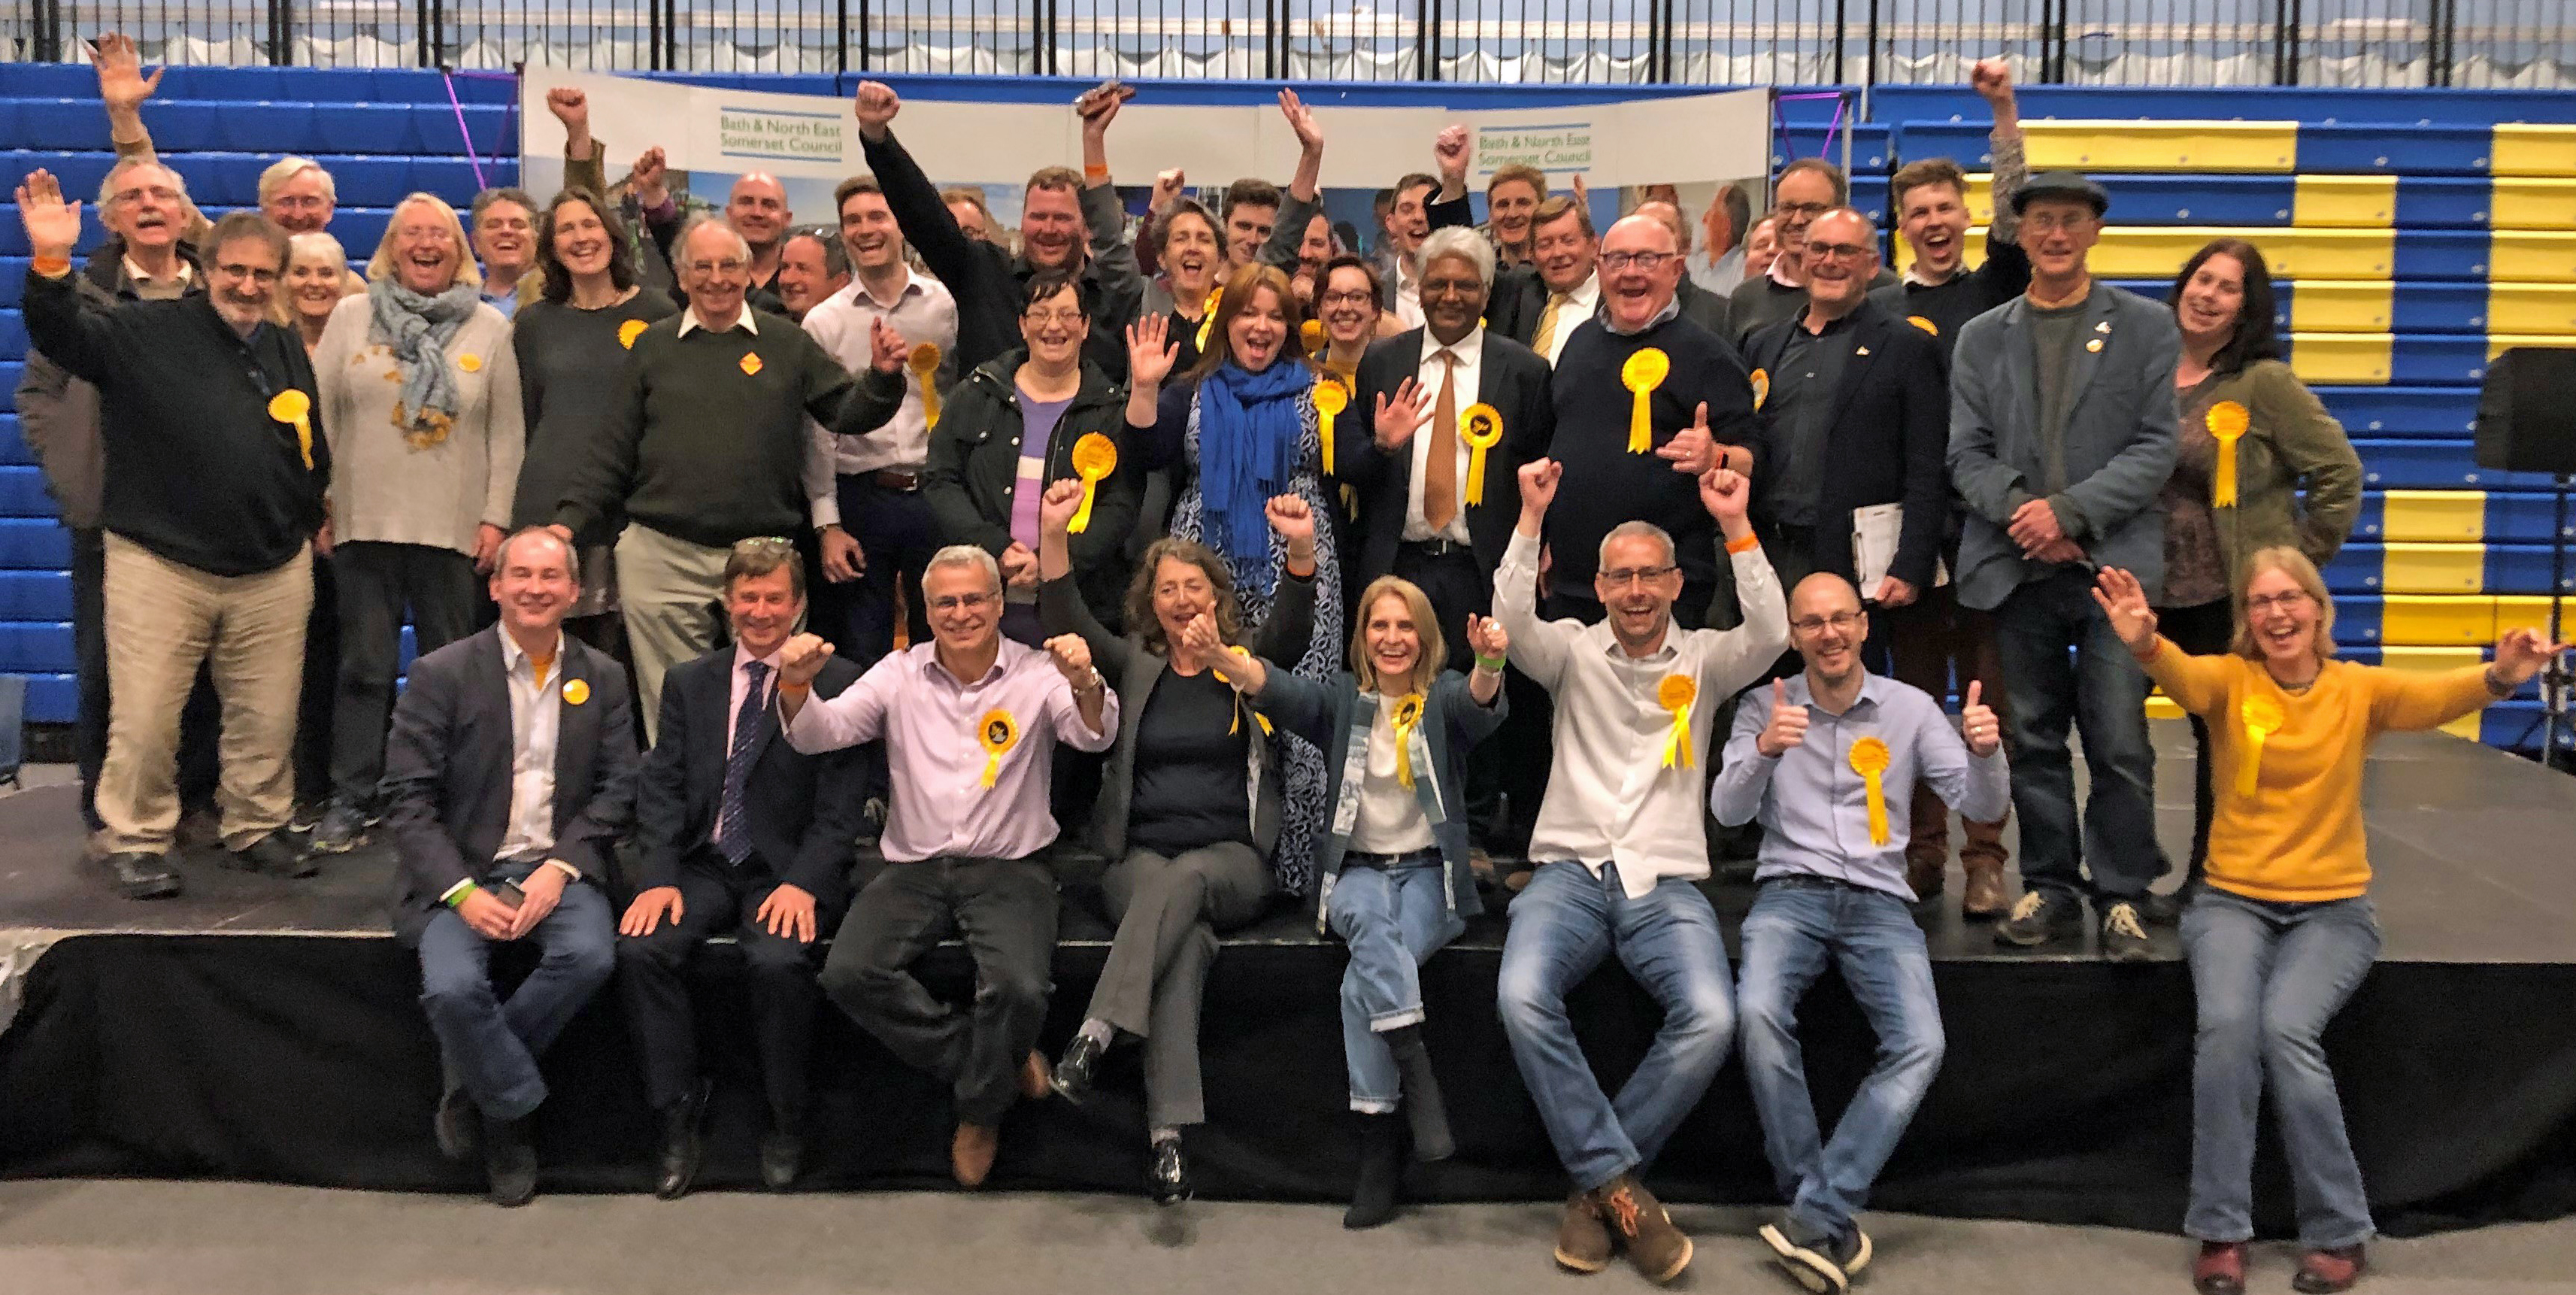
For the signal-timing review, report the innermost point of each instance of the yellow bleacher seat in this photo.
(2515, 202)
(2432, 568)
(2436, 661)
(2343, 306)
(2527, 256)
(2519, 149)
(2499, 343)
(2355, 359)
(2438, 620)
(2543, 308)
(2157, 251)
(2164, 145)
(2433, 516)
(2519, 611)
(2352, 201)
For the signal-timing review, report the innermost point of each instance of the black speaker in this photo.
(2527, 412)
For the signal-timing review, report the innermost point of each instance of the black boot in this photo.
(1422, 1106)
(1381, 1172)
(509, 1161)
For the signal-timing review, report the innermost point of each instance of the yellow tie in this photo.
(1546, 334)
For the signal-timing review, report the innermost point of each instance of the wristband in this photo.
(51, 267)
(456, 897)
(1745, 545)
(1490, 664)
(797, 689)
(1094, 173)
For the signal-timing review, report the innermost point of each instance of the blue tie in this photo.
(733, 826)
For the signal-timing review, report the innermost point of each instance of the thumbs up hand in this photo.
(1788, 726)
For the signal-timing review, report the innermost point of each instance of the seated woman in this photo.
(1393, 855)
(2282, 931)
(1189, 806)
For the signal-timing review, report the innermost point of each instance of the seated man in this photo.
(1830, 768)
(970, 722)
(1618, 844)
(744, 835)
(509, 775)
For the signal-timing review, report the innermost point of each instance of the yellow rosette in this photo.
(1675, 694)
(629, 331)
(1094, 457)
(924, 363)
(1644, 371)
(1408, 714)
(1761, 380)
(1869, 759)
(295, 409)
(1207, 317)
(998, 733)
(2262, 718)
(1312, 334)
(2227, 421)
(576, 692)
(1481, 427)
(1331, 398)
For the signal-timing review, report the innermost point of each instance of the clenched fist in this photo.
(801, 660)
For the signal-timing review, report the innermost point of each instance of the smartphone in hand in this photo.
(508, 892)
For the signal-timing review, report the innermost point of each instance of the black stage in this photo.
(267, 1029)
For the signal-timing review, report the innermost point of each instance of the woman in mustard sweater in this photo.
(2283, 931)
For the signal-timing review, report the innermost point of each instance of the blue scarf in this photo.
(1251, 430)
(418, 329)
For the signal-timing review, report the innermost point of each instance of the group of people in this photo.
(1334, 575)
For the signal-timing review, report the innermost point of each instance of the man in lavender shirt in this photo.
(970, 722)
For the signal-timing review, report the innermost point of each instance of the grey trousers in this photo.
(1169, 912)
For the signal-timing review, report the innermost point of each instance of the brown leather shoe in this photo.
(1036, 1081)
(1927, 874)
(1582, 1241)
(2324, 1271)
(1985, 896)
(1659, 1249)
(2220, 1269)
(970, 1157)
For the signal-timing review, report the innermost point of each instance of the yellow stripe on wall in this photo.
(2531, 204)
(2518, 149)
(2419, 620)
(2163, 145)
(2359, 359)
(2548, 309)
(2433, 516)
(2499, 343)
(2351, 201)
(2343, 306)
(2433, 568)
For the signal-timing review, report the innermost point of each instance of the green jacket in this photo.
(2298, 481)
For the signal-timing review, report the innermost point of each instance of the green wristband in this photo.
(1490, 664)
(457, 900)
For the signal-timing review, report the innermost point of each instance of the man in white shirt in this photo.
(877, 530)
(1565, 289)
(1618, 846)
(509, 776)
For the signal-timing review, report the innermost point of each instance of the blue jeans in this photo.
(2063, 666)
(1797, 925)
(2268, 977)
(1392, 919)
(492, 1046)
(1562, 927)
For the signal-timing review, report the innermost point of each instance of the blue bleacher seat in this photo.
(9, 367)
(13, 235)
(2434, 465)
(35, 595)
(52, 698)
(2356, 149)
(30, 544)
(377, 128)
(2403, 411)
(28, 647)
(13, 283)
(1870, 145)
(13, 333)
(22, 493)
(273, 128)
(13, 441)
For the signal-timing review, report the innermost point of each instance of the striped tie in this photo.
(733, 825)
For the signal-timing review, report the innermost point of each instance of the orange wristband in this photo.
(1090, 172)
(1745, 545)
(52, 267)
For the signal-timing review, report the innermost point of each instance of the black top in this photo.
(196, 470)
(572, 372)
(1192, 768)
(1801, 407)
(1948, 307)
(1604, 484)
(1761, 301)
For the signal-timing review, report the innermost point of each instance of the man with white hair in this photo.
(710, 449)
(1618, 846)
(971, 721)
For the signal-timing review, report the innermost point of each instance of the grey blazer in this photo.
(1134, 669)
(2121, 434)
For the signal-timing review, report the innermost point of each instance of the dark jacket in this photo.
(1884, 442)
(1339, 720)
(974, 466)
(1512, 378)
(804, 809)
(58, 413)
(1133, 669)
(447, 771)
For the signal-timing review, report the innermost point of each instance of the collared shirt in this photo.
(152, 289)
(1814, 807)
(1800, 408)
(741, 682)
(1465, 384)
(1779, 272)
(1610, 796)
(1389, 818)
(822, 488)
(1580, 304)
(1408, 293)
(923, 310)
(536, 718)
(1672, 308)
(1721, 274)
(936, 730)
(690, 322)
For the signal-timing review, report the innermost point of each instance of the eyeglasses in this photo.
(964, 602)
(765, 544)
(1843, 622)
(1838, 251)
(1627, 576)
(2276, 602)
(1353, 298)
(1807, 209)
(159, 192)
(245, 272)
(707, 268)
(1067, 318)
(1647, 261)
(2051, 224)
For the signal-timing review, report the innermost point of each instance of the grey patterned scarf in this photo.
(418, 330)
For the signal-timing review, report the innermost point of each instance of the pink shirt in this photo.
(741, 682)
(933, 726)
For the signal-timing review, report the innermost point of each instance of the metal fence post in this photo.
(1426, 41)
(1869, 73)
(2052, 41)
(1841, 19)
(281, 23)
(2442, 42)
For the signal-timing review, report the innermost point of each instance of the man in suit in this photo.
(1539, 302)
(2062, 434)
(509, 774)
(740, 833)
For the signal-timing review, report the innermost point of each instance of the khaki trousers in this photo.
(672, 595)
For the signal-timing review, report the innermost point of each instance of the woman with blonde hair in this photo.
(1395, 730)
(317, 277)
(2282, 931)
(420, 399)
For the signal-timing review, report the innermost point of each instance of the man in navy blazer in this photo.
(509, 774)
(2062, 436)
(739, 834)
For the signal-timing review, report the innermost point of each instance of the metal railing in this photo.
(2503, 43)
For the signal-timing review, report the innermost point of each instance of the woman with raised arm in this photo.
(1395, 730)
(2283, 930)
(1189, 807)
